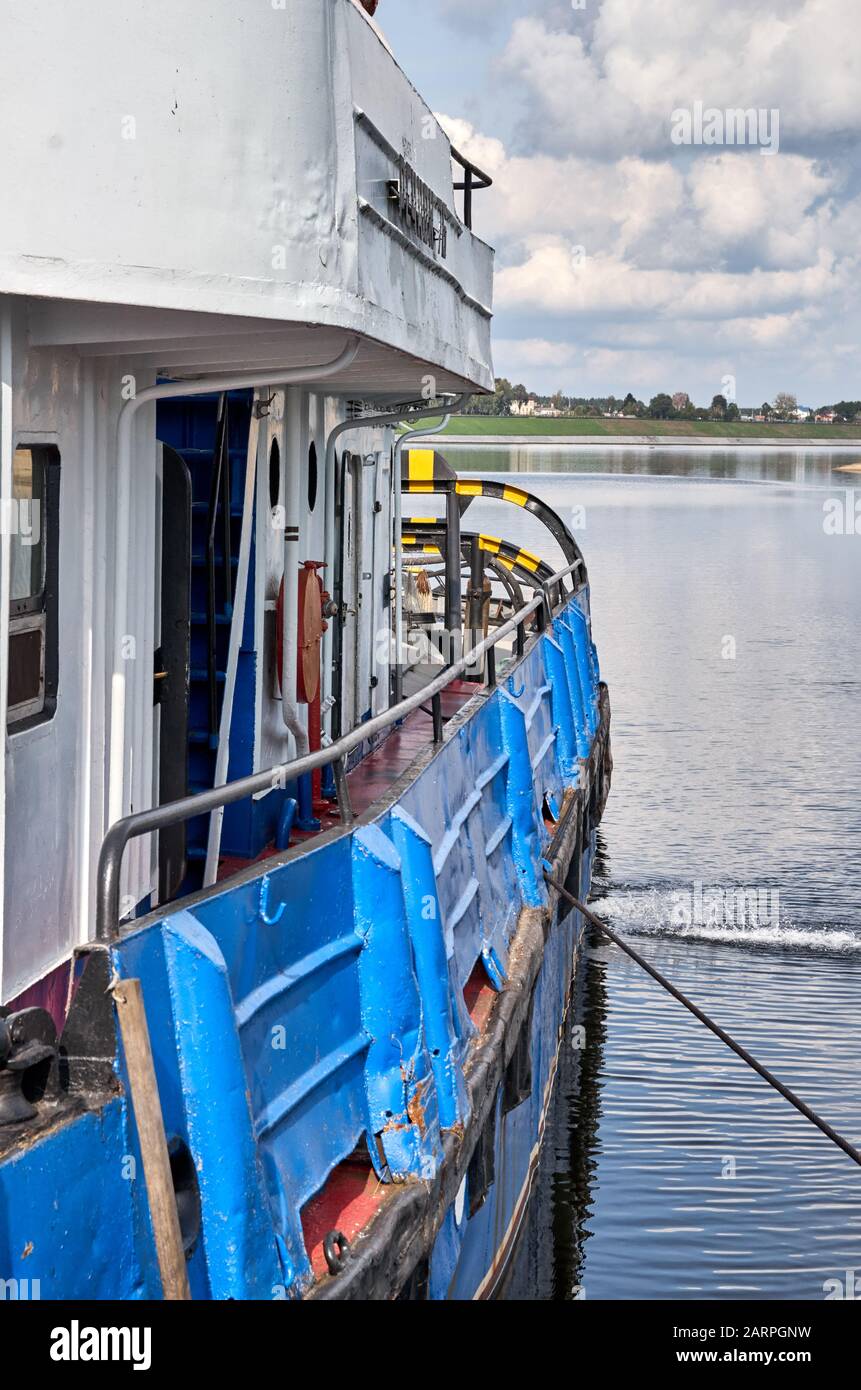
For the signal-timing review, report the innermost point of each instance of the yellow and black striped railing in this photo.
(427, 471)
(426, 534)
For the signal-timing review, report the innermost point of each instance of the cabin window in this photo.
(31, 520)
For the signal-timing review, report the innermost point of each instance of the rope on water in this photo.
(719, 1032)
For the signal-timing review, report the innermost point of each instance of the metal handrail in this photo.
(175, 812)
(473, 178)
(564, 573)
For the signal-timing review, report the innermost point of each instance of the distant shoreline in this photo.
(571, 431)
(654, 441)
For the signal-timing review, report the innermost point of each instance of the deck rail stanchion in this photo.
(547, 611)
(342, 790)
(436, 705)
(490, 676)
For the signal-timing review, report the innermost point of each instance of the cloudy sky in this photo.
(626, 261)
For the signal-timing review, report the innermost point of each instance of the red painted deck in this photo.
(377, 772)
(351, 1197)
(382, 768)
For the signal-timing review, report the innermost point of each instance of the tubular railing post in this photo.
(490, 679)
(521, 640)
(345, 805)
(453, 599)
(546, 611)
(436, 705)
(475, 601)
(108, 881)
(237, 622)
(467, 197)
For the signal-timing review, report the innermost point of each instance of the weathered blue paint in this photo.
(319, 1002)
(577, 623)
(526, 834)
(73, 1212)
(202, 1104)
(269, 919)
(401, 1096)
(443, 1030)
(563, 714)
(576, 694)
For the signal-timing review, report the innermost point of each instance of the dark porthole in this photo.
(312, 477)
(274, 475)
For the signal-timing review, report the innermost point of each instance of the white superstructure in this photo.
(220, 192)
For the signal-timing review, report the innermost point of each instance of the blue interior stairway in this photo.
(193, 428)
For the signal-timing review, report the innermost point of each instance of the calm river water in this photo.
(728, 624)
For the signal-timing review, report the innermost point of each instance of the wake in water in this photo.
(727, 915)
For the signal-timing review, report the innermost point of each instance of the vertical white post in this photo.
(297, 408)
(6, 456)
(237, 625)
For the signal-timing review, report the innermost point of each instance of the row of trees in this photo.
(663, 406)
(846, 410)
(681, 407)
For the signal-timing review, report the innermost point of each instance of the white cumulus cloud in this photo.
(618, 249)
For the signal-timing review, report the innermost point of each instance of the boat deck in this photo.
(375, 774)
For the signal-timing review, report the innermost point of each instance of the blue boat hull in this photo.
(454, 1237)
(316, 1007)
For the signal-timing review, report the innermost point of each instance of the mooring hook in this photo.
(270, 919)
(335, 1247)
(516, 694)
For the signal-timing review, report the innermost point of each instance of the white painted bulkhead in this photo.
(56, 770)
(231, 159)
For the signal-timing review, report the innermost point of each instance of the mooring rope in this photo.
(719, 1032)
